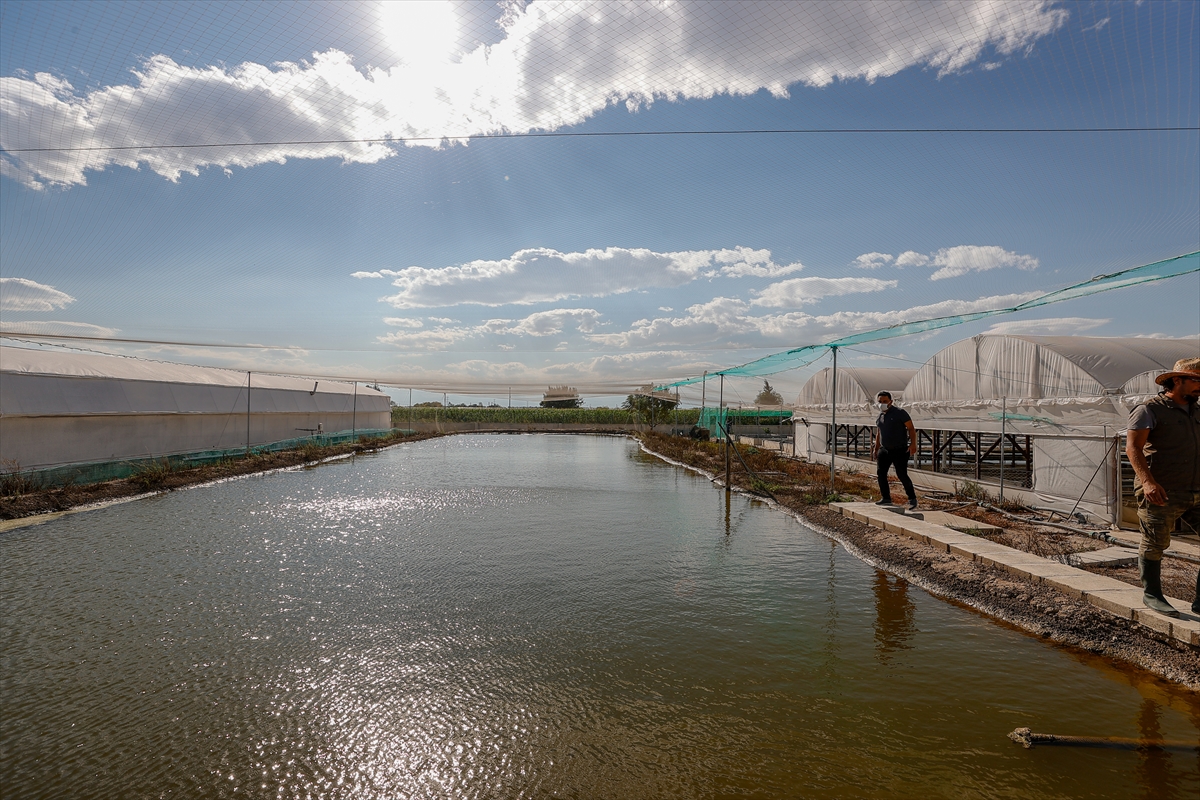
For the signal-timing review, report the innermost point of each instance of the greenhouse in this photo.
(857, 388)
(1042, 416)
(86, 416)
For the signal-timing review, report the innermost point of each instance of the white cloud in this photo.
(445, 335)
(911, 258)
(1064, 326)
(800, 291)
(726, 320)
(954, 261)
(439, 338)
(22, 294)
(541, 275)
(361, 274)
(557, 64)
(552, 323)
(611, 373)
(872, 260)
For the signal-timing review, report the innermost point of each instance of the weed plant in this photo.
(153, 475)
(13, 482)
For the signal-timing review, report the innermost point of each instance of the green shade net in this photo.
(803, 356)
(718, 419)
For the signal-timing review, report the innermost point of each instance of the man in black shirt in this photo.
(895, 441)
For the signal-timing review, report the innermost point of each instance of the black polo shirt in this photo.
(893, 434)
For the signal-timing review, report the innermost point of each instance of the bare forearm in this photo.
(1137, 460)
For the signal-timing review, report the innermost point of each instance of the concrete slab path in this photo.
(1179, 544)
(1108, 557)
(1103, 592)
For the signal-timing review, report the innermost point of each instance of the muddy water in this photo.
(532, 616)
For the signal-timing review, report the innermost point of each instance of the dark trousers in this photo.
(899, 459)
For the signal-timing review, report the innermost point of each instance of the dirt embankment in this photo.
(20, 498)
(803, 489)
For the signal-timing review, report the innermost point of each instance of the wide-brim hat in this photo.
(1184, 368)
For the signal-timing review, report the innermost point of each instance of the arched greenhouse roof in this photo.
(991, 367)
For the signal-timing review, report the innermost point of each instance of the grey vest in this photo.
(1173, 449)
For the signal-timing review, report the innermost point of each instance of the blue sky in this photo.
(601, 262)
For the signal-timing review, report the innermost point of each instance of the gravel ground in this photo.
(1033, 607)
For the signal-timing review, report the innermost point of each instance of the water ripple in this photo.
(486, 617)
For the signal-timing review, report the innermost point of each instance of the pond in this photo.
(525, 616)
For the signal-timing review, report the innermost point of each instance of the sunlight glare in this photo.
(419, 31)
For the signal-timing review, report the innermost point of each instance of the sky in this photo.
(471, 196)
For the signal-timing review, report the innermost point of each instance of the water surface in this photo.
(525, 616)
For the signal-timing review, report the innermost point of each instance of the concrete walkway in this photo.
(1186, 545)
(1106, 593)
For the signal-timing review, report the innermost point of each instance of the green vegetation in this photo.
(768, 396)
(153, 475)
(570, 402)
(574, 416)
(970, 490)
(790, 482)
(14, 482)
(650, 409)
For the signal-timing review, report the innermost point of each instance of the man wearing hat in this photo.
(1163, 445)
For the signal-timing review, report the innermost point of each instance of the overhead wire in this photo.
(594, 134)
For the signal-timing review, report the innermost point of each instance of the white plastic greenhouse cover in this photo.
(59, 408)
(857, 387)
(1071, 393)
(991, 367)
(1046, 385)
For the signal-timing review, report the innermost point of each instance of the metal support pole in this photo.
(247, 413)
(354, 415)
(410, 427)
(723, 424)
(703, 381)
(833, 424)
(1003, 433)
(1115, 481)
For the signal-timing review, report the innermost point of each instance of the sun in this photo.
(419, 31)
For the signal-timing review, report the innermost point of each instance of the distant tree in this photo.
(570, 402)
(768, 396)
(645, 406)
(430, 404)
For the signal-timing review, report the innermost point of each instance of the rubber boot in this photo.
(1152, 594)
(1196, 602)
